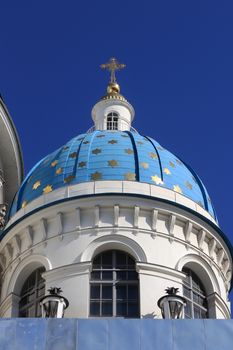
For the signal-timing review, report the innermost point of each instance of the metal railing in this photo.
(93, 128)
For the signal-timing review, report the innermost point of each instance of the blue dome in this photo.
(111, 155)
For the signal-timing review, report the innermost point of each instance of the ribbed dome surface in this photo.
(111, 155)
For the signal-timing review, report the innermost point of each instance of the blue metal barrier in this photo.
(115, 334)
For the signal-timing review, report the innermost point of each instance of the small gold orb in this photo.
(113, 88)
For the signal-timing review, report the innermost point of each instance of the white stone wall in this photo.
(2, 187)
(11, 162)
(161, 237)
(124, 110)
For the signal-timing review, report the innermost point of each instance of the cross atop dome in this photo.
(113, 111)
(112, 66)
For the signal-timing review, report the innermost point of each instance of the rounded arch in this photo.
(114, 242)
(24, 269)
(112, 120)
(202, 269)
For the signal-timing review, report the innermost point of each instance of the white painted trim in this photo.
(24, 268)
(202, 268)
(102, 187)
(114, 242)
(67, 272)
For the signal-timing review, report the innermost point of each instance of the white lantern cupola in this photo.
(113, 111)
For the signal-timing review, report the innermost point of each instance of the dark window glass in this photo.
(195, 295)
(116, 294)
(95, 308)
(31, 293)
(112, 121)
(95, 292)
(106, 308)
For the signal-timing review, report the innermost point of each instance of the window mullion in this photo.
(114, 296)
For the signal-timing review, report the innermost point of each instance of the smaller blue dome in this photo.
(111, 155)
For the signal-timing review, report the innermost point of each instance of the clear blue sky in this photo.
(179, 77)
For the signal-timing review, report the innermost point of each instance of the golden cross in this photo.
(112, 66)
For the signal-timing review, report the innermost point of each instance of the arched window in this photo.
(195, 294)
(32, 291)
(114, 286)
(112, 121)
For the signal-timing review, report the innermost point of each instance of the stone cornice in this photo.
(35, 230)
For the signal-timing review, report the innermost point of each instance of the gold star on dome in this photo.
(112, 141)
(36, 185)
(130, 176)
(145, 165)
(96, 151)
(73, 155)
(48, 189)
(153, 155)
(172, 164)
(96, 176)
(85, 142)
(24, 204)
(157, 179)
(189, 185)
(82, 164)
(54, 163)
(129, 151)
(69, 178)
(167, 171)
(177, 189)
(59, 171)
(112, 163)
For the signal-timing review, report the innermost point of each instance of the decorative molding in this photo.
(88, 188)
(43, 228)
(220, 256)
(78, 219)
(212, 246)
(59, 223)
(8, 303)
(154, 219)
(66, 272)
(2, 261)
(187, 231)
(8, 252)
(97, 215)
(29, 235)
(201, 238)
(136, 215)
(59, 226)
(172, 221)
(226, 266)
(159, 270)
(116, 215)
(215, 301)
(201, 267)
(17, 244)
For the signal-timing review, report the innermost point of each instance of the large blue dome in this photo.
(111, 155)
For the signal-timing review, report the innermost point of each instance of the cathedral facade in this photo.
(112, 218)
